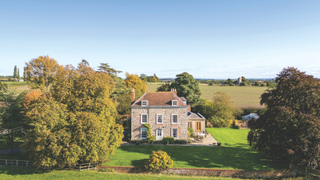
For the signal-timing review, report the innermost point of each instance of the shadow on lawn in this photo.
(21, 170)
(237, 156)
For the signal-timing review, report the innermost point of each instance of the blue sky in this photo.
(208, 39)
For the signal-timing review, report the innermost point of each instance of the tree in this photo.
(244, 82)
(139, 86)
(221, 108)
(121, 93)
(187, 87)
(164, 87)
(11, 116)
(106, 68)
(143, 77)
(24, 74)
(75, 121)
(289, 130)
(18, 76)
(42, 72)
(257, 83)
(15, 72)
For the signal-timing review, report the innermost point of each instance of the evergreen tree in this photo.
(15, 72)
(18, 76)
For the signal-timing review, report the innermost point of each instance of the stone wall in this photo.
(209, 172)
(166, 126)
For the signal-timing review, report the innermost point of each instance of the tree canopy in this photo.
(187, 87)
(139, 86)
(289, 130)
(73, 122)
(42, 72)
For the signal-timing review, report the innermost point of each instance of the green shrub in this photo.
(209, 125)
(166, 139)
(237, 127)
(190, 130)
(219, 122)
(181, 141)
(158, 160)
(149, 136)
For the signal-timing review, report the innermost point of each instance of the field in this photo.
(235, 153)
(242, 96)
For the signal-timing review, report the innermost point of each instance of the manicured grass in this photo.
(235, 153)
(20, 173)
(230, 137)
(242, 96)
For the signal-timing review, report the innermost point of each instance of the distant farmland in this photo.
(243, 96)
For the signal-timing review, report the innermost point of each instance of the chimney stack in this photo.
(189, 108)
(133, 96)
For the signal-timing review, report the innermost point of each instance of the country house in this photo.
(167, 114)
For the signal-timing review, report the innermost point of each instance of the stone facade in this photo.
(166, 126)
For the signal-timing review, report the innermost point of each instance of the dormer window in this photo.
(144, 103)
(174, 102)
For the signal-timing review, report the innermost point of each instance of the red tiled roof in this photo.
(159, 99)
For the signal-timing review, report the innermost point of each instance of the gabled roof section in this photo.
(159, 99)
(192, 115)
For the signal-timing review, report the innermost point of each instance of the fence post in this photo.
(27, 163)
(6, 162)
(80, 167)
(16, 162)
(89, 167)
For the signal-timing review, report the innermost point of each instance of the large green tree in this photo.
(75, 121)
(289, 130)
(187, 87)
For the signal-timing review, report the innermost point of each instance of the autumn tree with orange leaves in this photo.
(74, 122)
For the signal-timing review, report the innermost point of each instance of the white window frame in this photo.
(161, 119)
(174, 101)
(172, 118)
(144, 101)
(141, 133)
(177, 133)
(142, 118)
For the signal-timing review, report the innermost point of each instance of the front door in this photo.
(159, 134)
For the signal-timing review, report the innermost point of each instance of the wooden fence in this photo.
(86, 166)
(11, 162)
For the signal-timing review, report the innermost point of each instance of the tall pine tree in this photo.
(15, 72)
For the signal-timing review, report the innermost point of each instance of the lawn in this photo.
(235, 153)
(20, 173)
(242, 96)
